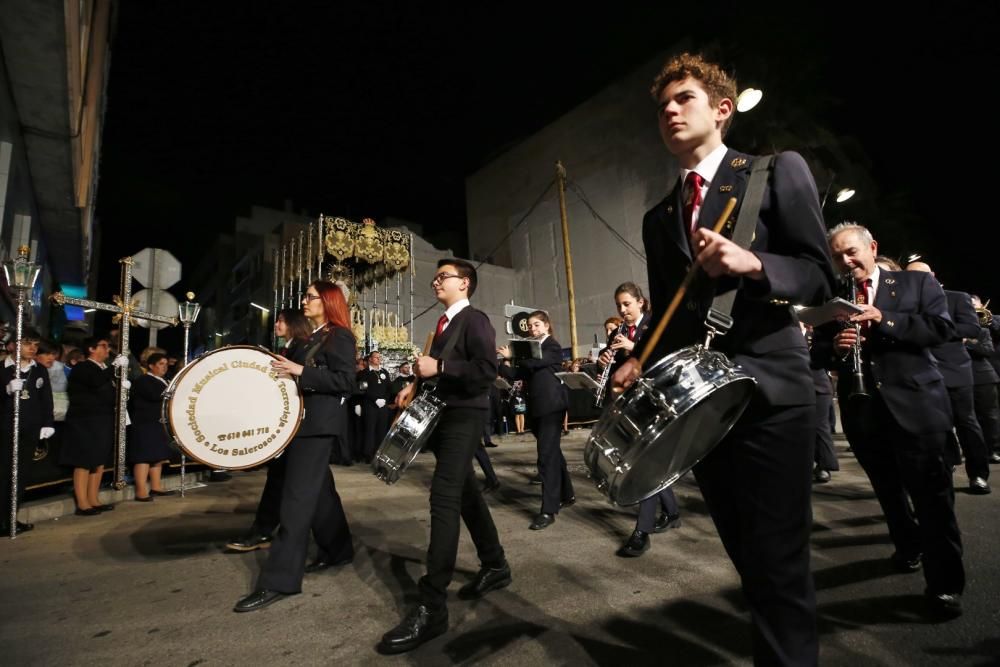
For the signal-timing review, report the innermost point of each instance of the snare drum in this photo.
(229, 410)
(666, 422)
(407, 437)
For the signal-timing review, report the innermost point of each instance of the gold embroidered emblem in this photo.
(738, 162)
(725, 188)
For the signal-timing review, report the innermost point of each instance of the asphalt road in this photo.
(149, 584)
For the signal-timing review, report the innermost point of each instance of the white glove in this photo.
(121, 361)
(15, 385)
(380, 402)
(357, 410)
(126, 384)
(46, 432)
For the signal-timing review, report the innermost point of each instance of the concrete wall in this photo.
(611, 149)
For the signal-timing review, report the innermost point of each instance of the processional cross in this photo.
(126, 312)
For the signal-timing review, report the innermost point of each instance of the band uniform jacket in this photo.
(378, 385)
(327, 382)
(471, 365)
(622, 354)
(789, 239)
(981, 350)
(952, 357)
(902, 369)
(35, 411)
(544, 389)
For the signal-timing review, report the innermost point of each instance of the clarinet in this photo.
(858, 389)
(603, 384)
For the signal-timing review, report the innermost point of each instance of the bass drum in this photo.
(229, 410)
(666, 422)
(407, 437)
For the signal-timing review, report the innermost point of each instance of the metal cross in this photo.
(126, 314)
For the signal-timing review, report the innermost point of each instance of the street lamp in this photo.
(187, 313)
(21, 274)
(748, 99)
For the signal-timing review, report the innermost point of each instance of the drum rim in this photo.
(168, 425)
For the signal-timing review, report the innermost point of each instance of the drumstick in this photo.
(654, 338)
(405, 403)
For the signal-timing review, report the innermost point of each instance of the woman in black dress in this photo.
(149, 447)
(309, 497)
(89, 433)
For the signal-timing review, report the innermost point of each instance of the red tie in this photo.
(692, 199)
(631, 332)
(442, 321)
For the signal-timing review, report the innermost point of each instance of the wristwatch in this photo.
(440, 366)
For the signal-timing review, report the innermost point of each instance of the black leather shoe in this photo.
(490, 487)
(542, 521)
(994, 458)
(250, 542)
(667, 522)
(944, 605)
(104, 508)
(90, 511)
(421, 625)
(219, 476)
(154, 492)
(258, 600)
(979, 486)
(636, 545)
(489, 444)
(569, 502)
(19, 528)
(904, 563)
(321, 564)
(147, 499)
(537, 479)
(821, 476)
(486, 580)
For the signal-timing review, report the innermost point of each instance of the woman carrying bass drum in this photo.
(309, 497)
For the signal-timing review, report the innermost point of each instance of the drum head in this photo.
(673, 447)
(228, 410)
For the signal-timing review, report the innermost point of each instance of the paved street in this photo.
(149, 584)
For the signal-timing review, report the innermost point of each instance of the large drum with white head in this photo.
(229, 410)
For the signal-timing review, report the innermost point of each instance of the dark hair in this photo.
(154, 358)
(632, 290)
(30, 334)
(544, 317)
(91, 343)
(48, 347)
(464, 270)
(296, 323)
(74, 355)
(334, 304)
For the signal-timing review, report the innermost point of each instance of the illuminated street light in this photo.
(748, 99)
(844, 195)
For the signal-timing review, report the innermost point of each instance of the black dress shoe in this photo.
(979, 486)
(537, 479)
(486, 580)
(22, 527)
(568, 502)
(994, 458)
(542, 521)
(250, 542)
(321, 564)
(258, 600)
(219, 476)
(154, 492)
(90, 511)
(421, 625)
(104, 508)
(489, 444)
(147, 499)
(821, 476)
(904, 563)
(944, 605)
(667, 522)
(490, 487)
(636, 545)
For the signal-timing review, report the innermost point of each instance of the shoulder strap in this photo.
(311, 352)
(719, 322)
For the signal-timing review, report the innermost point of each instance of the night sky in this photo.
(372, 109)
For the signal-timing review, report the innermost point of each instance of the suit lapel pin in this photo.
(670, 210)
(738, 162)
(725, 188)
(892, 294)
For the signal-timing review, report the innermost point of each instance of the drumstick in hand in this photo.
(406, 400)
(654, 338)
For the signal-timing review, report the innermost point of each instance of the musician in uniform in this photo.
(35, 422)
(985, 379)
(634, 309)
(757, 482)
(463, 359)
(375, 403)
(898, 433)
(309, 498)
(546, 405)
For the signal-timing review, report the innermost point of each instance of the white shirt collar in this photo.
(99, 364)
(708, 167)
(9, 361)
(455, 309)
(319, 327)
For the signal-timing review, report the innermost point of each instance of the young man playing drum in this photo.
(463, 361)
(757, 481)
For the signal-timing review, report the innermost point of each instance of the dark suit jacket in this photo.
(91, 391)
(544, 389)
(790, 241)
(952, 357)
(35, 411)
(981, 350)
(327, 382)
(146, 400)
(640, 331)
(903, 370)
(471, 365)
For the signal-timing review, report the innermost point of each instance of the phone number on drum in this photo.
(245, 433)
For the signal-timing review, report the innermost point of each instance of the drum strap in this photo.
(311, 352)
(719, 322)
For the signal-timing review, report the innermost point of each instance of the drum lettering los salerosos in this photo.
(229, 410)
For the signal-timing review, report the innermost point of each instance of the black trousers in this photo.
(988, 413)
(970, 435)
(647, 509)
(901, 464)
(455, 493)
(556, 483)
(483, 457)
(27, 442)
(757, 484)
(309, 499)
(375, 421)
(824, 455)
(269, 508)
